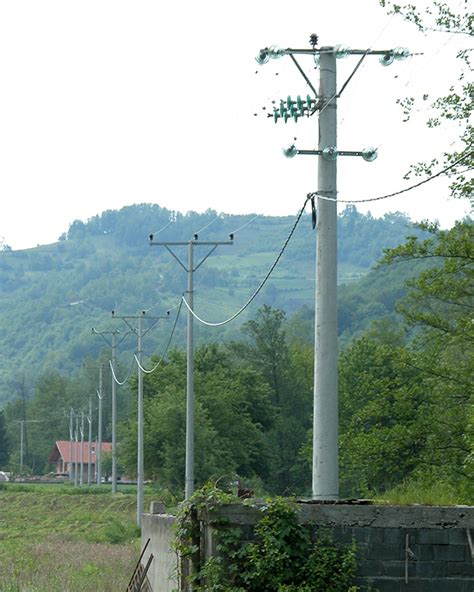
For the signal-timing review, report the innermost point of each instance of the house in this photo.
(65, 451)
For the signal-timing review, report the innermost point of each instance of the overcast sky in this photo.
(108, 103)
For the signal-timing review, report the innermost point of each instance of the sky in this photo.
(106, 103)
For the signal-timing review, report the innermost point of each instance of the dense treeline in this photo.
(405, 392)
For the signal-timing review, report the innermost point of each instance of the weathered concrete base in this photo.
(159, 528)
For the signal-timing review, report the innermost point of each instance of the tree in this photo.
(4, 443)
(457, 104)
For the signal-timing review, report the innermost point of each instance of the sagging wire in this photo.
(121, 383)
(395, 193)
(263, 282)
(162, 356)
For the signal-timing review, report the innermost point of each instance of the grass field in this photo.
(55, 539)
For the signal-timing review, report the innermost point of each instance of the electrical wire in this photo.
(263, 282)
(126, 378)
(162, 357)
(218, 217)
(395, 193)
(246, 224)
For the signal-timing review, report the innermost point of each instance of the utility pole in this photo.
(71, 435)
(325, 479)
(81, 476)
(190, 268)
(76, 437)
(98, 452)
(113, 345)
(89, 464)
(140, 332)
(22, 436)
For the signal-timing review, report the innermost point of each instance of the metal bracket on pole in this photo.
(331, 153)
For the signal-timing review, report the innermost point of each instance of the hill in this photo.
(51, 296)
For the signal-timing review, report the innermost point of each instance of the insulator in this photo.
(342, 51)
(330, 153)
(262, 57)
(369, 154)
(401, 53)
(290, 152)
(387, 59)
(275, 52)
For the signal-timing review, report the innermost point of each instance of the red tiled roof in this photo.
(62, 449)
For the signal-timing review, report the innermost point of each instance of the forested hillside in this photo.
(51, 296)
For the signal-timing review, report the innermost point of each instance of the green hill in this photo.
(51, 296)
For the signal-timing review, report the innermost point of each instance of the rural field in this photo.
(60, 539)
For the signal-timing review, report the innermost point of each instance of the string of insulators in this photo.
(294, 109)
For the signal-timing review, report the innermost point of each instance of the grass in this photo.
(440, 493)
(61, 539)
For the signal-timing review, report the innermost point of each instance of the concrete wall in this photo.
(162, 574)
(400, 548)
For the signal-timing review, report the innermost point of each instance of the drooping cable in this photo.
(395, 193)
(245, 224)
(263, 282)
(121, 383)
(162, 356)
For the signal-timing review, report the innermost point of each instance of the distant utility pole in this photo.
(76, 437)
(98, 452)
(140, 332)
(190, 268)
(81, 457)
(89, 464)
(71, 437)
(22, 437)
(113, 345)
(325, 474)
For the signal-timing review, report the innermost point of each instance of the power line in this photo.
(254, 295)
(395, 193)
(162, 357)
(126, 378)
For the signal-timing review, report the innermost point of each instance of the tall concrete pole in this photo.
(99, 427)
(89, 463)
(190, 269)
(76, 434)
(71, 412)
(114, 415)
(140, 466)
(189, 472)
(325, 409)
(81, 455)
(22, 436)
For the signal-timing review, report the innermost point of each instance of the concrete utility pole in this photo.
(140, 332)
(71, 436)
(113, 345)
(190, 268)
(98, 452)
(89, 464)
(22, 436)
(76, 437)
(325, 407)
(81, 456)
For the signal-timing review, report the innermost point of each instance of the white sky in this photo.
(108, 103)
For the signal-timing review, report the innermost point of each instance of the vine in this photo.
(283, 557)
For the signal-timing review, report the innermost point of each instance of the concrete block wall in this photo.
(400, 548)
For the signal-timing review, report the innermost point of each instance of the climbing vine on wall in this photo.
(283, 557)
